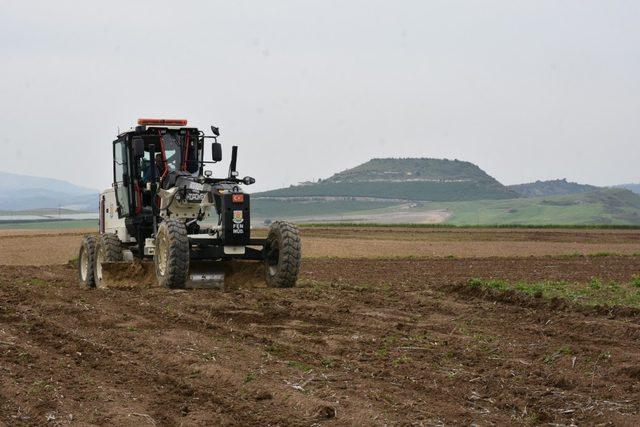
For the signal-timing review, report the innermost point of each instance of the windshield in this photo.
(181, 152)
(172, 151)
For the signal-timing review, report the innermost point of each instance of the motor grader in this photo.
(166, 208)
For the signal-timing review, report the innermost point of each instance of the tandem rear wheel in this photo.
(108, 249)
(94, 251)
(86, 257)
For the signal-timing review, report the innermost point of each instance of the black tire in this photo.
(108, 249)
(86, 257)
(283, 253)
(171, 256)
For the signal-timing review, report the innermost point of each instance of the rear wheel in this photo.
(172, 254)
(108, 249)
(86, 262)
(283, 252)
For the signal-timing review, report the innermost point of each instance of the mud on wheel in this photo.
(86, 257)
(282, 249)
(172, 254)
(108, 249)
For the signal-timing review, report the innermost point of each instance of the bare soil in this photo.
(40, 247)
(570, 235)
(359, 342)
(369, 248)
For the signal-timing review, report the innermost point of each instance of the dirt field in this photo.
(359, 342)
(44, 247)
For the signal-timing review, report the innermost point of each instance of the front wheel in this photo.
(171, 256)
(283, 253)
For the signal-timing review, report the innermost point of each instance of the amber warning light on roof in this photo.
(163, 122)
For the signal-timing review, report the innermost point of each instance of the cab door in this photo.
(121, 177)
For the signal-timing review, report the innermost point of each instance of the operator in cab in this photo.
(159, 166)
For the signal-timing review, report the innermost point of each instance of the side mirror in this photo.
(216, 151)
(215, 131)
(138, 147)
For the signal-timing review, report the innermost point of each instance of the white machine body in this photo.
(110, 221)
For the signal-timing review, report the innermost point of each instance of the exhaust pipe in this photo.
(234, 159)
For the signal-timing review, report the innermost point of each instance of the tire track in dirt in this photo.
(374, 344)
(134, 370)
(267, 337)
(108, 373)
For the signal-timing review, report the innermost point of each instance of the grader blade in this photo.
(223, 275)
(205, 275)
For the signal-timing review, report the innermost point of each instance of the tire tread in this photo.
(111, 246)
(288, 239)
(177, 268)
(89, 246)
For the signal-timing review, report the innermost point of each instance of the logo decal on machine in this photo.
(238, 222)
(195, 197)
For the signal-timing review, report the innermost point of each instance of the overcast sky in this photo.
(525, 89)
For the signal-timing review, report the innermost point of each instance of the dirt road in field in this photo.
(359, 342)
(37, 247)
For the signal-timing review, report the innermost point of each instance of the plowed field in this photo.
(373, 341)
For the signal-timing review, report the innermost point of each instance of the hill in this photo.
(550, 188)
(632, 187)
(420, 179)
(412, 169)
(24, 192)
(423, 190)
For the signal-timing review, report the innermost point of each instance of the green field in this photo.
(412, 190)
(606, 207)
(601, 207)
(42, 211)
(63, 224)
(609, 206)
(267, 208)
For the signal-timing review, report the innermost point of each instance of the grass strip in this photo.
(594, 293)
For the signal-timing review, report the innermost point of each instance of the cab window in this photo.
(120, 172)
